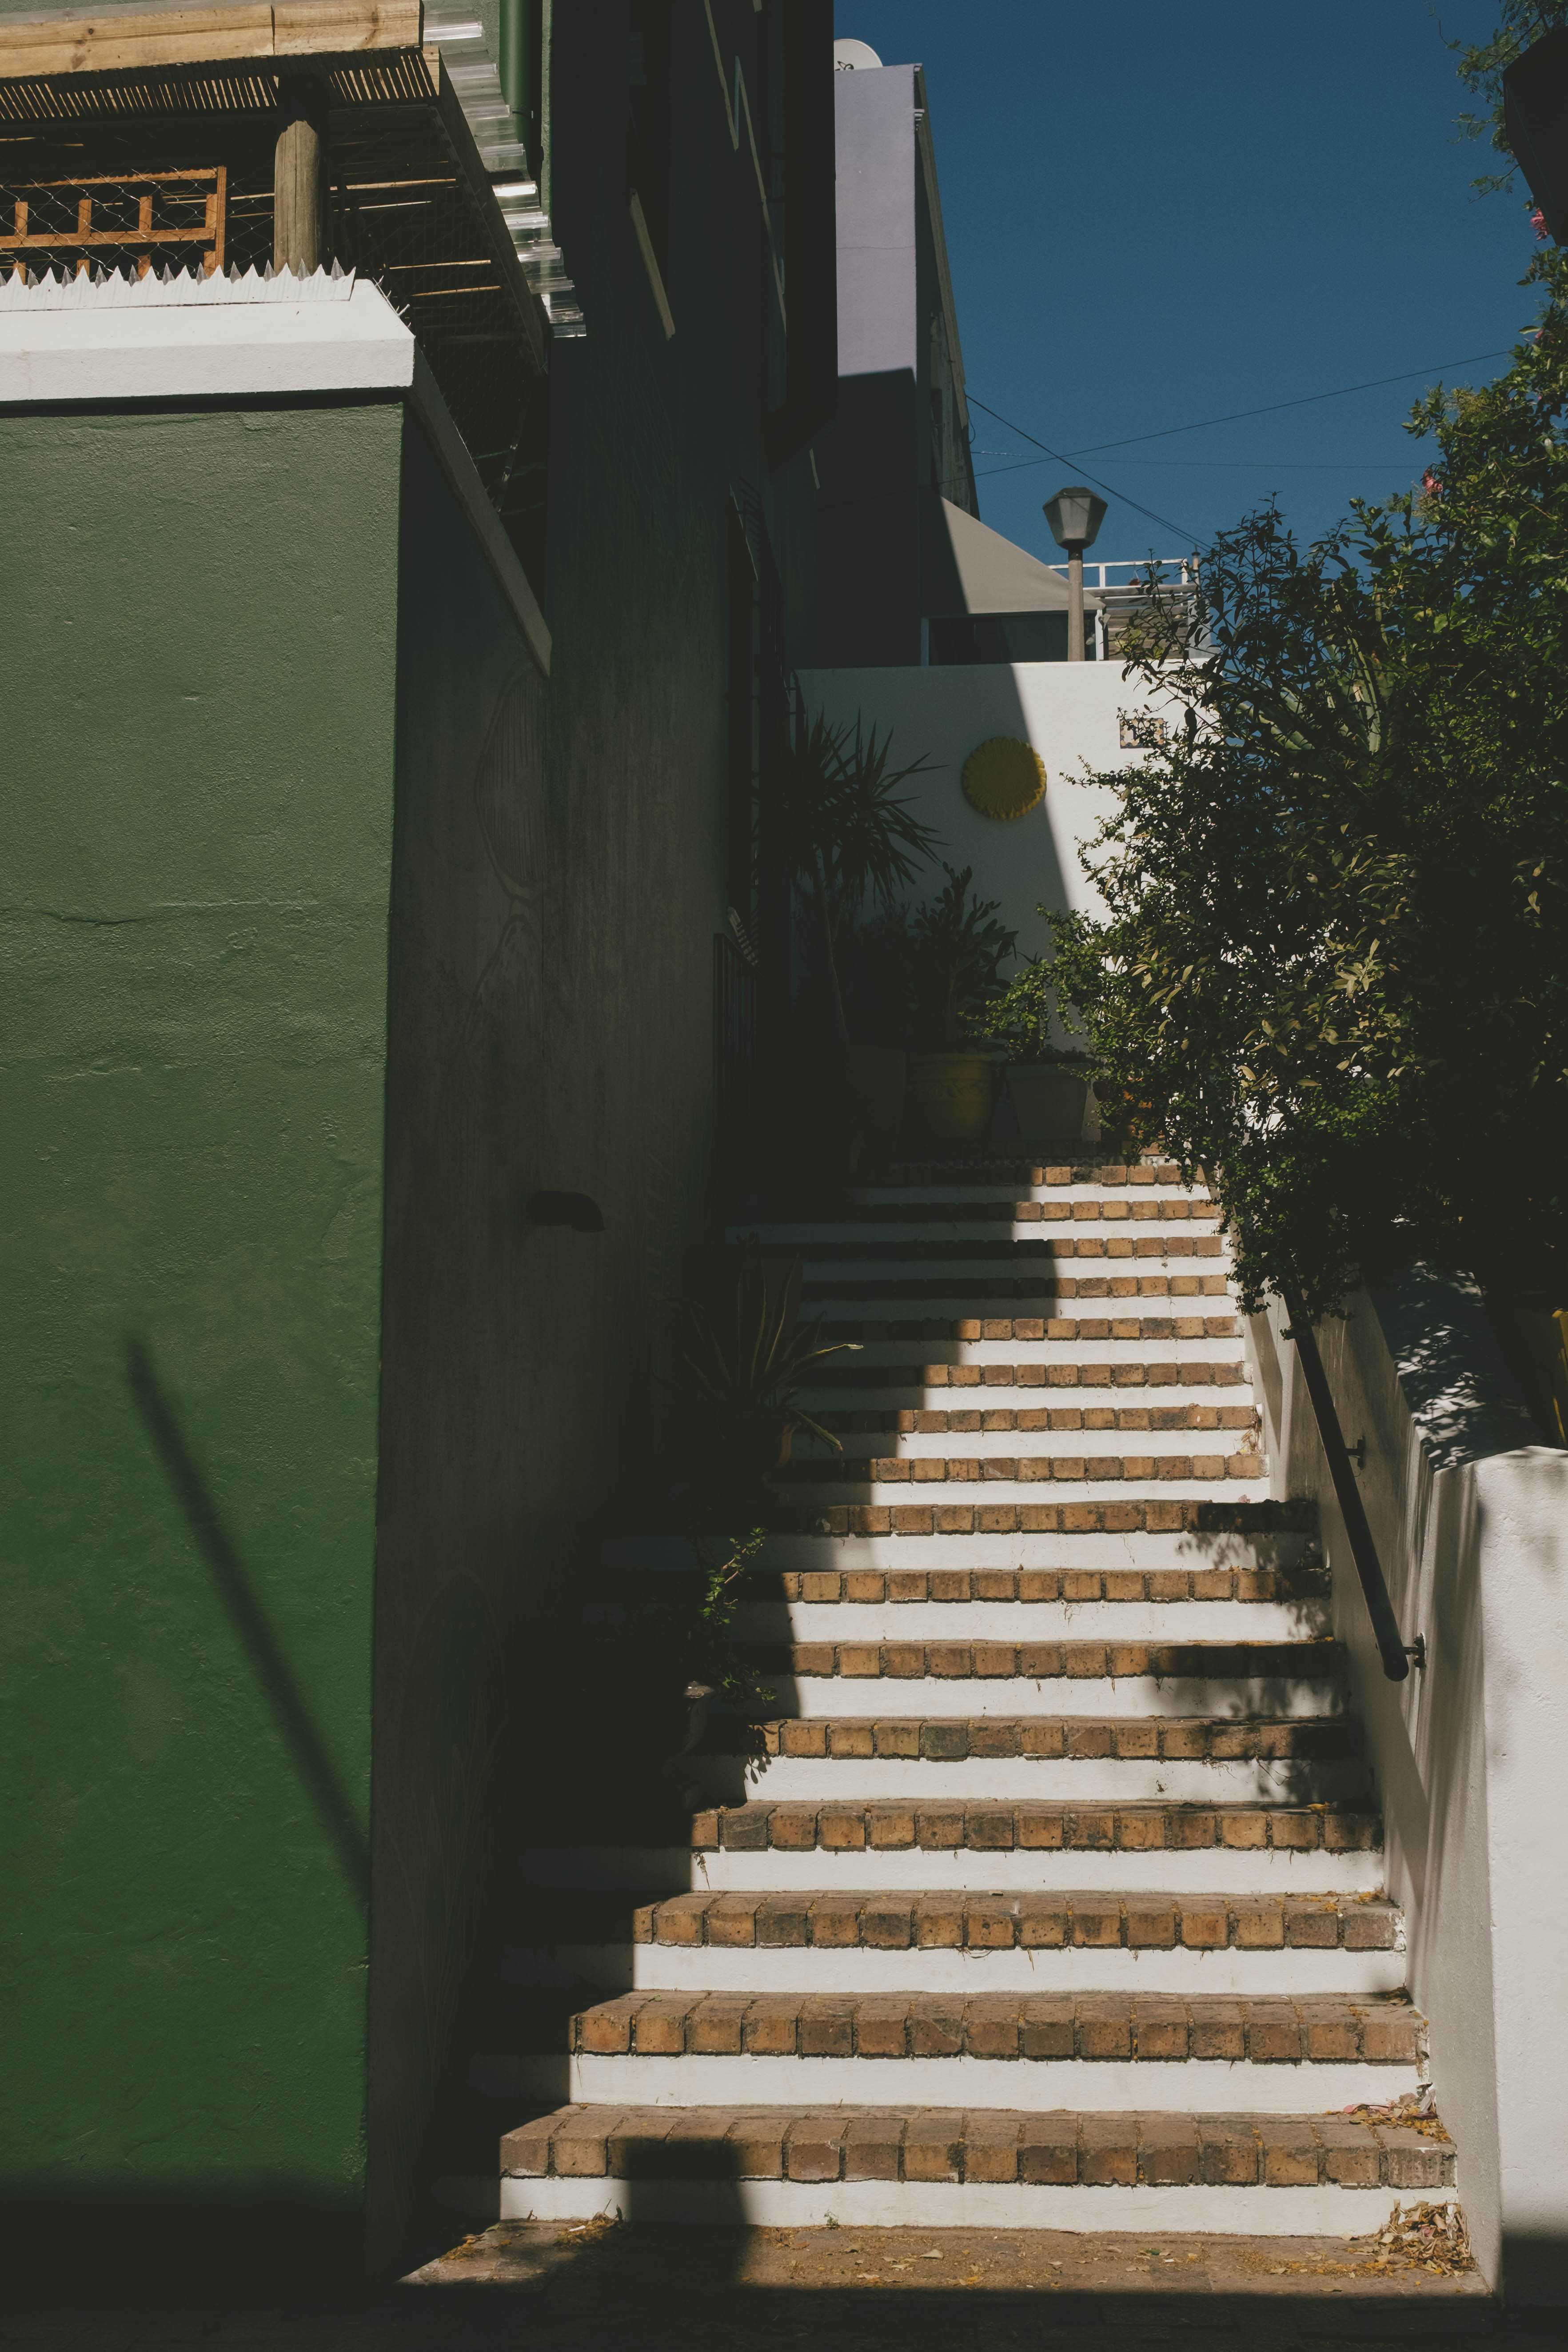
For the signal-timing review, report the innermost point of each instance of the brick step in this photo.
(963, 1328)
(860, 2167)
(1038, 2027)
(1152, 1416)
(1037, 1920)
(937, 1942)
(966, 1290)
(891, 1218)
(889, 1388)
(907, 1919)
(980, 1827)
(1300, 1609)
(1032, 2050)
(1187, 1739)
(959, 1255)
(1073, 1466)
(940, 1588)
(1026, 1759)
(950, 1847)
(1234, 1666)
(1181, 1515)
(1039, 1830)
(1082, 1168)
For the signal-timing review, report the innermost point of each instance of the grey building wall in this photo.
(900, 440)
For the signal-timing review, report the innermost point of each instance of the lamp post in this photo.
(1075, 516)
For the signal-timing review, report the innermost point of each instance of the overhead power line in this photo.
(1165, 521)
(1272, 408)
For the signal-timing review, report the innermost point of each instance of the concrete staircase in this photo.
(1055, 1895)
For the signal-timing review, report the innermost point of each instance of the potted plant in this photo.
(957, 948)
(1048, 1085)
(749, 1356)
(851, 840)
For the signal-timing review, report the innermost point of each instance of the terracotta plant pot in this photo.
(1050, 1101)
(951, 1095)
(760, 1446)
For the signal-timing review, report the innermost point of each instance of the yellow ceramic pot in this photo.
(950, 1096)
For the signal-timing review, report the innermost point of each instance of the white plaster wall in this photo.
(1069, 711)
(1471, 1521)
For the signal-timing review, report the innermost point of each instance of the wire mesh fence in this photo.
(136, 192)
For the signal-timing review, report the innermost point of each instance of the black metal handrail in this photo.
(1396, 1654)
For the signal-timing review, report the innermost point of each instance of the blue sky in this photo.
(1158, 213)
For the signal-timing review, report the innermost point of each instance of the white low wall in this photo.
(1070, 713)
(1470, 1513)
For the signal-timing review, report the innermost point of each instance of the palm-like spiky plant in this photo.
(845, 833)
(746, 1349)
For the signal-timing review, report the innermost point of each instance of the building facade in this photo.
(397, 652)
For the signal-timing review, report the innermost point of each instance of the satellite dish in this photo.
(853, 57)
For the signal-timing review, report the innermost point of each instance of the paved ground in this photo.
(522, 2287)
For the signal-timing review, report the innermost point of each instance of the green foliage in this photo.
(1019, 1016)
(746, 1350)
(931, 972)
(844, 832)
(1335, 967)
(714, 1658)
(956, 951)
(1482, 65)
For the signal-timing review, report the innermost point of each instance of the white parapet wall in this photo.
(1069, 712)
(1470, 1513)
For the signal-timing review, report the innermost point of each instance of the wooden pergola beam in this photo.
(221, 35)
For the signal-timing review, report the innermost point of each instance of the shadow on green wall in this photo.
(303, 1742)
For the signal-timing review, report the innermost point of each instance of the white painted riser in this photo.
(960, 1301)
(889, 1695)
(1004, 1189)
(964, 1275)
(962, 1235)
(855, 1969)
(1126, 1781)
(1095, 1550)
(1201, 1350)
(1211, 1870)
(1196, 2087)
(1047, 1351)
(1031, 1621)
(950, 2205)
(899, 1399)
(986, 1444)
(1035, 1490)
(653, 1555)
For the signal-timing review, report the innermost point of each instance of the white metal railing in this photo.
(1177, 572)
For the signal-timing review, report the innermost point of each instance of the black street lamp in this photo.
(1075, 516)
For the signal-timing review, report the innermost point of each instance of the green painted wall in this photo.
(196, 798)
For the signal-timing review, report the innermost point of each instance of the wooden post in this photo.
(300, 177)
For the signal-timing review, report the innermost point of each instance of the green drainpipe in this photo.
(517, 67)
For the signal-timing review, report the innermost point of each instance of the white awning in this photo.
(995, 576)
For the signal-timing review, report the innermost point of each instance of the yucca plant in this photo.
(747, 1351)
(845, 833)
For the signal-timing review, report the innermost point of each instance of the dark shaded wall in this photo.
(896, 445)
(197, 792)
(560, 876)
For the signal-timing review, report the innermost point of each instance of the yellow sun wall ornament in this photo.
(1004, 778)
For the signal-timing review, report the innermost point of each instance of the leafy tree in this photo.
(1482, 65)
(1334, 968)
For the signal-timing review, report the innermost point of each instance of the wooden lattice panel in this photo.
(135, 215)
